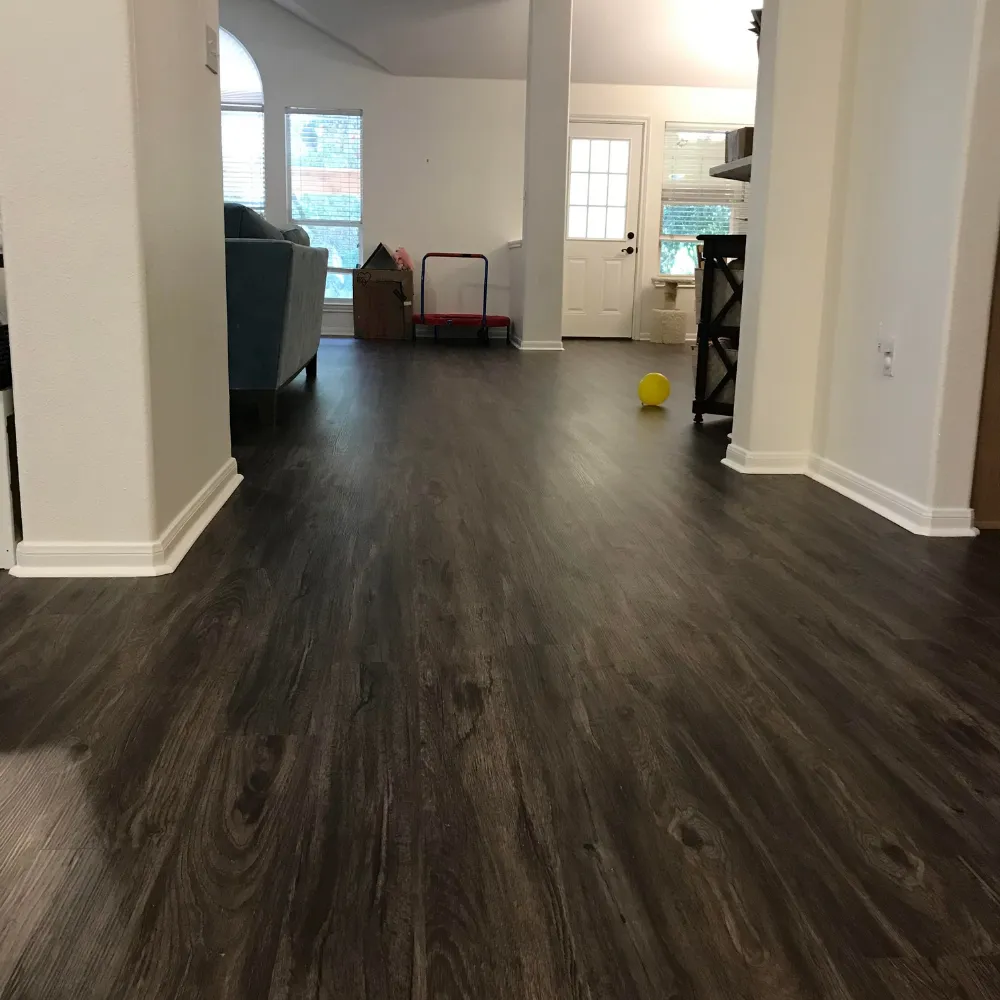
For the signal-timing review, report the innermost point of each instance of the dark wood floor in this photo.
(489, 685)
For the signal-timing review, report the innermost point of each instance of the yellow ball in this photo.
(654, 389)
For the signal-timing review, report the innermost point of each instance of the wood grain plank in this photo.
(489, 684)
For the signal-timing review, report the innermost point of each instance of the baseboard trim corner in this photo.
(931, 522)
(132, 559)
(766, 463)
(185, 529)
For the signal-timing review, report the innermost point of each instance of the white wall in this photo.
(76, 298)
(901, 216)
(180, 207)
(907, 235)
(676, 43)
(444, 159)
(116, 281)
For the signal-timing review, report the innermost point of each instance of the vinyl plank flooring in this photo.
(488, 683)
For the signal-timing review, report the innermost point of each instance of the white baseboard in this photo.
(766, 463)
(338, 323)
(539, 345)
(132, 559)
(645, 336)
(934, 522)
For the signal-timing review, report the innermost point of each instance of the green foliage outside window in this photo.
(680, 257)
(696, 220)
(342, 207)
(329, 141)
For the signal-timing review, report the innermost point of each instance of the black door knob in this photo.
(631, 236)
(629, 250)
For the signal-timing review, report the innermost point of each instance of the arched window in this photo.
(242, 124)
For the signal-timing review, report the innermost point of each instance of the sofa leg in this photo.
(267, 408)
(311, 368)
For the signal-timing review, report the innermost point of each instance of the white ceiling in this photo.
(695, 43)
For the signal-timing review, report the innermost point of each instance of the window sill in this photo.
(682, 280)
(338, 306)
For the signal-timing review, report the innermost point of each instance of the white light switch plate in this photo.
(212, 49)
(887, 356)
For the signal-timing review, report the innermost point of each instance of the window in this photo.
(242, 124)
(598, 189)
(694, 202)
(324, 187)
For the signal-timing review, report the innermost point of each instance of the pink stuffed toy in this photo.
(403, 259)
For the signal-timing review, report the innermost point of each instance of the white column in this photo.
(804, 92)
(546, 140)
(110, 178)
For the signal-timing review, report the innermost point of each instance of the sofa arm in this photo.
(303, 323)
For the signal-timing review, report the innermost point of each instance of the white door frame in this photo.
(644, 123)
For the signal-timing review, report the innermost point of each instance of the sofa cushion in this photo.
(298, 235)
(244, 223)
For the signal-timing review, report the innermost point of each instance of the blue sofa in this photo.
(275, 286)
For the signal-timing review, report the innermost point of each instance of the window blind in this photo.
(325, 188)
(239, 79)
(324, 166)
(689, 152)
(243, 157)
(242, 124)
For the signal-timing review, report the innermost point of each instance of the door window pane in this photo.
(619, 156)
(616, 224)
(600, 154)
(580, 155)
(598, 180)
(597, 221)
(576, 228)
(579, 185)
(618, 190)
(598, 190)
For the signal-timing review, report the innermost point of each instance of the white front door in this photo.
(602, 226)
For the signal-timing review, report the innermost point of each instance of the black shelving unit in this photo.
(716, 334)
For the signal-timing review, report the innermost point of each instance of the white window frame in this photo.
(685, 127)
(330, 304)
